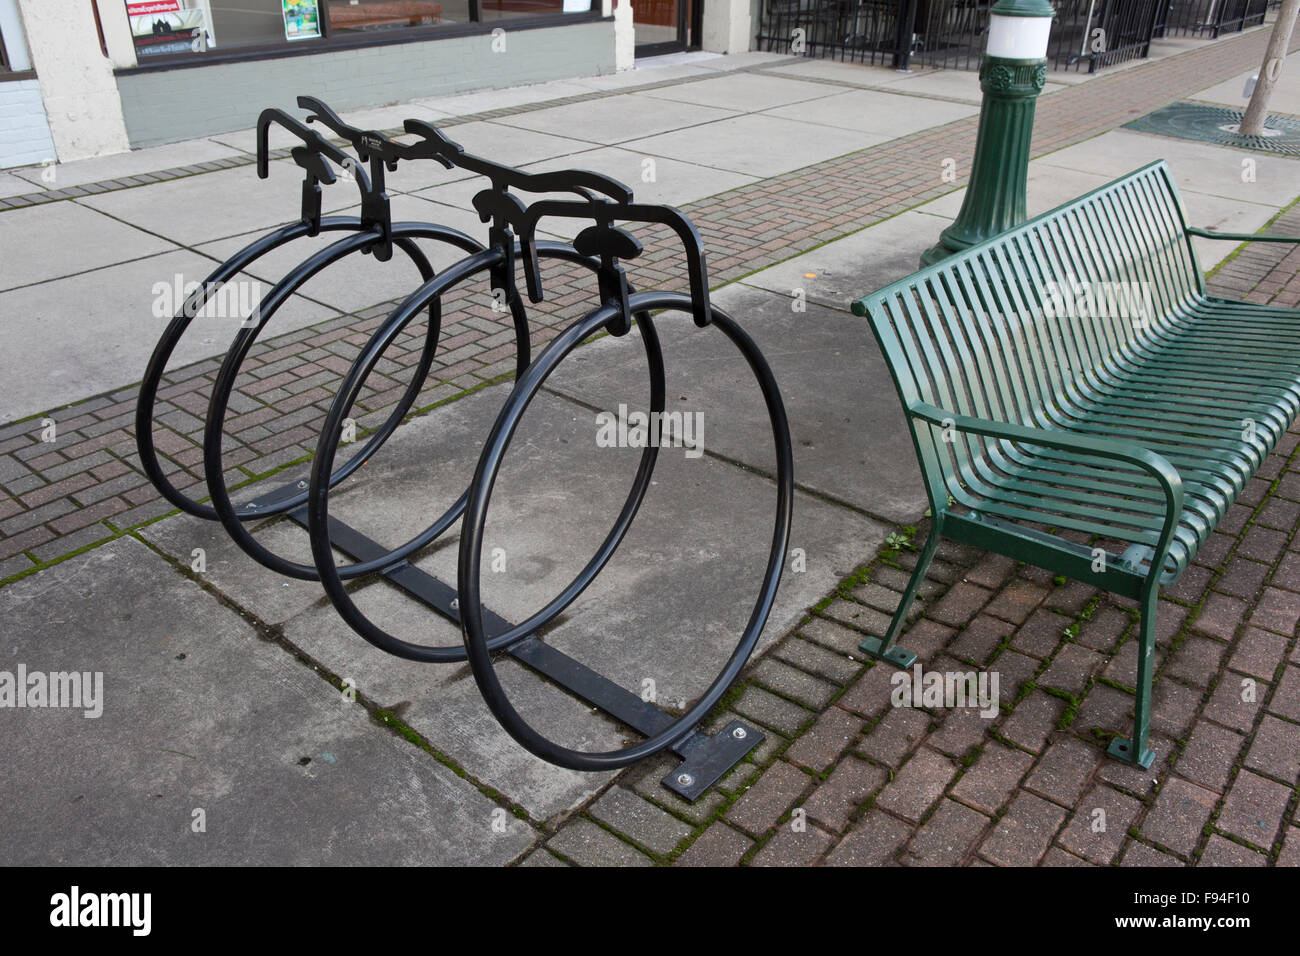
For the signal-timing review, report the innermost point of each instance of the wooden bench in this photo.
(1078, 402)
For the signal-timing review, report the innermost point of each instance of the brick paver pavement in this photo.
(869, 780)
(57, 498)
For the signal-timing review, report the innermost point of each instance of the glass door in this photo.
(665, 26)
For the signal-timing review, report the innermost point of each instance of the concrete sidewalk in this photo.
(221, 685)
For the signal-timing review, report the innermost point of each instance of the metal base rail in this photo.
(706, 759)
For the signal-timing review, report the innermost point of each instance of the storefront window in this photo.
(256, 22)
(182, 28)
(358, 16)
(500, 9)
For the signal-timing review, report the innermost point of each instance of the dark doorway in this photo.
(666, 26)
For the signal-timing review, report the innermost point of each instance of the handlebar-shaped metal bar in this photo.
(606, 213)
(316, 144)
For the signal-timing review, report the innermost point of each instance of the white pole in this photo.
(1252, 124)
(1087, 25)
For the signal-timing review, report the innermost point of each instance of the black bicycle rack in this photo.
(602, 247)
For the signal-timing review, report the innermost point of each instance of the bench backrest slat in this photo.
(1003, 330)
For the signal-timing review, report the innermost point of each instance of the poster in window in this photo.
(301, 19)
(167, 26)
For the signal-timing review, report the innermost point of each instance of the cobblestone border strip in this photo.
(1238, 275)
(246, 159)
(846, 779)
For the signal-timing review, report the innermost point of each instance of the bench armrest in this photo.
(1165, 475)
(1238, 236)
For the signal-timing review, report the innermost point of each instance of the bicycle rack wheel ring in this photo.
(477, 644)
(148, 397)
(318, 522)
(234, 519)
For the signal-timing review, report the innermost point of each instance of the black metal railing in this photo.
(863, 32)
(1208, 18)
(1240, 14)
(951, 33)
(1087, 35)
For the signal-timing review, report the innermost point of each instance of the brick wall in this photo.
(170, 105)
(24, 130)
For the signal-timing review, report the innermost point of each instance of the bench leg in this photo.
(883, 648)
(1136, 751)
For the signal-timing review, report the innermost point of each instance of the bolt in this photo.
(302, 484)
(739, 733)
(685, 779)
(455, 603)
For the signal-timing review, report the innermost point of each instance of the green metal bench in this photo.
(1043, 419)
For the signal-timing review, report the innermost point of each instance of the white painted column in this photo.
(726, 26)
(117, 33)
(76, 79)
(624, 36)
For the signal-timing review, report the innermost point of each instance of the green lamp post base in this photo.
(995, 195)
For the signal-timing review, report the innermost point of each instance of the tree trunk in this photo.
(1252, 124)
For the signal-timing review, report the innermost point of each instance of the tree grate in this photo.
(1208, 124)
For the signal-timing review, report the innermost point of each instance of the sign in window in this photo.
(301, 19)
(161, 27)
